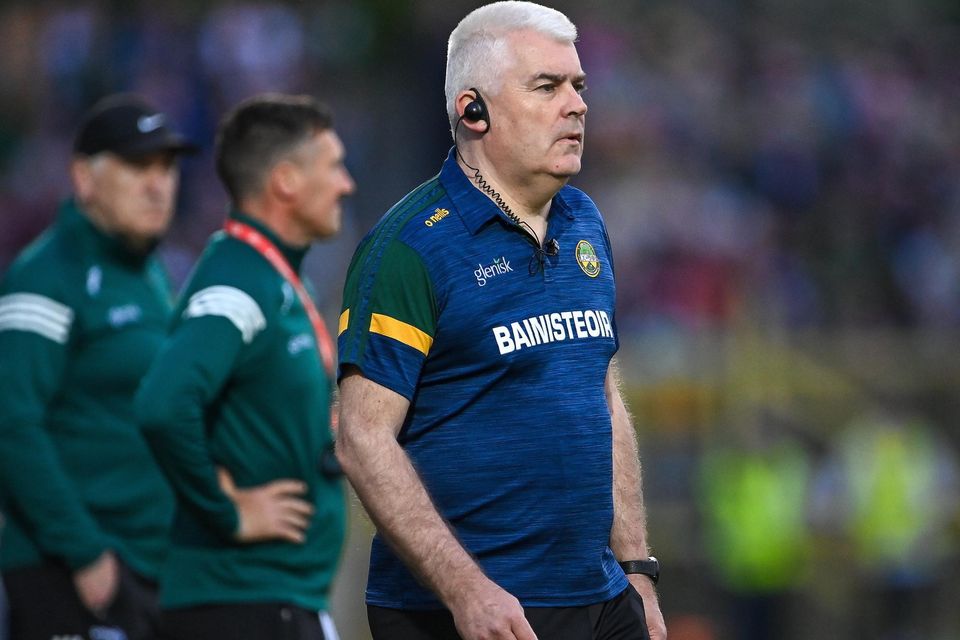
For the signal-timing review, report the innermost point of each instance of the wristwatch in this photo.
(649, 567)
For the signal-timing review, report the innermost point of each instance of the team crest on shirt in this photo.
(98, 632)
(122, 315)
(288, 295)
(94, 280)
(587, 258)
(298, 343)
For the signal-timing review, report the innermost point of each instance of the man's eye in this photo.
(546, 87)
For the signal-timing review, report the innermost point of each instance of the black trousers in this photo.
(246, 621)
(620, 618)
(44, 604)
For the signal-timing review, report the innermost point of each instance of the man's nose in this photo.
(576, 106)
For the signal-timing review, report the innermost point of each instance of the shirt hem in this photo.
(609, 591)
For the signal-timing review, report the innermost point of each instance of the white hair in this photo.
(477, 49)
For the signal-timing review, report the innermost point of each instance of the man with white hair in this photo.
(481, 419)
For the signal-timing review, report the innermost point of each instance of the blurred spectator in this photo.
(82, 313)
(237, 404)
(754, 493)
(732, 141)
(892, 489)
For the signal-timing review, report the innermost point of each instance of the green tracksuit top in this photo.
(80, 321)
(239, 384)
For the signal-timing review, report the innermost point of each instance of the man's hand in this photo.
(487, 612)
(97, 583)
(272, 511)
(651, 606)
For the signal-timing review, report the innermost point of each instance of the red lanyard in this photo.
(246, 233)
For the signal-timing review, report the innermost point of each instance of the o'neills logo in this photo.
(552, 327)
(438, 215)
(499, 267)
(587, 258)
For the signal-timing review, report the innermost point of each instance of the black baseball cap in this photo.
(125, 124)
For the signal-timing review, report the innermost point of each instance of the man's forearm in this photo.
(394, 496)
(628, 536)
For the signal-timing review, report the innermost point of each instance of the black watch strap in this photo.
(649, 567)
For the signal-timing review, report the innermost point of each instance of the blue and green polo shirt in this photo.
(503, 361)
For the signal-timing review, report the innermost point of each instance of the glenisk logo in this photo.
(499, 267)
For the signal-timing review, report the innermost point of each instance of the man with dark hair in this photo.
(237, 405)
(482, 423)
(82, 313)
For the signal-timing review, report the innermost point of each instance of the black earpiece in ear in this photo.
(476, 109)
(473, 111)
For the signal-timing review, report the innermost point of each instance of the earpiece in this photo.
(476, 109)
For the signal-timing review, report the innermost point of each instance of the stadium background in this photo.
(780, 179)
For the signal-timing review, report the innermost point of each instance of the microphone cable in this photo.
(538, 259)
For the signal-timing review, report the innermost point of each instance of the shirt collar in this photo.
(294, 255)
(476, 209)
(83, 233)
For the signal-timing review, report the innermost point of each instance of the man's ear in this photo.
(81, 175)
(464, 98)
(284, 181)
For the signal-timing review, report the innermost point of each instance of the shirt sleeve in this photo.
(389, 316)
(35, 331)
(188, 374)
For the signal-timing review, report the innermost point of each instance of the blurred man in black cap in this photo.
(82, 312)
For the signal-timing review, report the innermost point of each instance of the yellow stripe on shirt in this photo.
(344, 321)
(401, 331)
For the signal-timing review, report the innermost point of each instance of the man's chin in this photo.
(143, 242)
(566, 169)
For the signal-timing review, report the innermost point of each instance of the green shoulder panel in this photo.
(399, 287)
(388, 279)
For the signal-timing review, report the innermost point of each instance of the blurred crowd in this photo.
(789, 161)
(781, 181)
